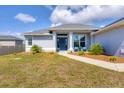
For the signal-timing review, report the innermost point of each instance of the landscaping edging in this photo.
(112, 66)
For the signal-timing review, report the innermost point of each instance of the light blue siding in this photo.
(112, 40)
(44, 41)
(88, 40)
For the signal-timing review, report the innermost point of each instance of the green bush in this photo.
(96, 49)
(36, 49)
(112, 58)
(80, 52)
(69, 51)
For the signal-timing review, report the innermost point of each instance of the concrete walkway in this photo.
(112, 66)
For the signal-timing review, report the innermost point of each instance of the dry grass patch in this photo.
(52, 70)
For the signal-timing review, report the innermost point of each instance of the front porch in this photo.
(72, 41)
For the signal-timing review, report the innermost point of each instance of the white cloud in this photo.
(102, 26)
(53, 25)
(25, 18)
(85, 14)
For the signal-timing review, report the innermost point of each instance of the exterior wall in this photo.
(46, 42)
(49, 43)
(88, 40)
(7, 43)
(112, 40)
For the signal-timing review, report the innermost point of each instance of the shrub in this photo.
(80, 52)
(69, 51)
(112, 58)
(36, 49)
(96, 49)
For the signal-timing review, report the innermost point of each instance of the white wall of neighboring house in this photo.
(7, 43)
(11, 43)
(112, 40)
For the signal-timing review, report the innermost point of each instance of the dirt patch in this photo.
(101, 57)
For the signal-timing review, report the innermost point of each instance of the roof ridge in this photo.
(12, 37)
(75, 24)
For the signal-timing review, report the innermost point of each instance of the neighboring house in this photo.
(7, 40)
(10, 44)
(111, 37)
(72, 36)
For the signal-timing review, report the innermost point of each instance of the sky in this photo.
(16, 20)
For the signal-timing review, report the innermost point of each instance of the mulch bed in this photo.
(101, 57)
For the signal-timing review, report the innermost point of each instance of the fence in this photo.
(10, 49)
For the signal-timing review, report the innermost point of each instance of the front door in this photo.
(62, 43)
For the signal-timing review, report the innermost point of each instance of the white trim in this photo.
(49, 49)
(37, 34)
(55, 40)
(28, 49)
(71, 41)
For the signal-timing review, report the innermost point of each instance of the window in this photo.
(29, 41)
(82, 40)
(79, 41)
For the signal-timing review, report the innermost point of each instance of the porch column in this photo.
(54, 41)
(71, 41)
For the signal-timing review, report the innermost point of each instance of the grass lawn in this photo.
(52, 70)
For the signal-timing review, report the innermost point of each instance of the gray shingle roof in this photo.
(62, 27)
(74, 27)
(8, 37)
(38, 32)
(115, 24)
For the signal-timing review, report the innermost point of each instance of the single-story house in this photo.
(72, 36)
(8, 40)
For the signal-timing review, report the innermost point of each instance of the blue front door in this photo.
(62, 43)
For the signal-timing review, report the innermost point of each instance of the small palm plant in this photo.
(96, 49)
(36, 49)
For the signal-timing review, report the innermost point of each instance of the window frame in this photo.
(30, 41)
(79, 41)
